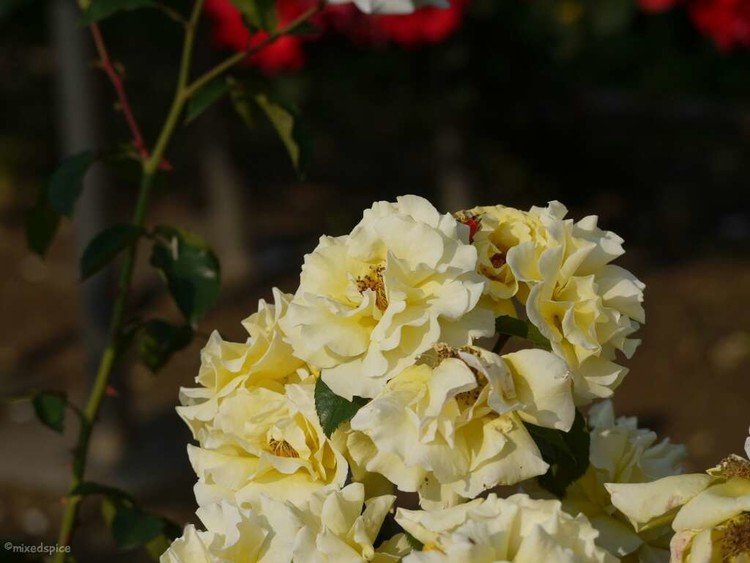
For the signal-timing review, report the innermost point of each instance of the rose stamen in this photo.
(374, 282)
(281, 448)
(736, 538)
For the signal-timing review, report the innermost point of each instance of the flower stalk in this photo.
(152, 162)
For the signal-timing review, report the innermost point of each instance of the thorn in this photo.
(111, 391)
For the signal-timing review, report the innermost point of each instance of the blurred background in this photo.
(639, 113)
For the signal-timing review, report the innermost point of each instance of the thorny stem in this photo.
(151, 163)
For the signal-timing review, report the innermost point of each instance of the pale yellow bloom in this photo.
(227, 366)
(265, 440)
(622, 453)
(561, 272)
(231, 534)
(710, 513)
(454, 429)
(370, 302)
(511, 243)
(588, 308)
(494, 529)
(329, 527)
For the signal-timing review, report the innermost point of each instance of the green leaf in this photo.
(91, 488)
(522, 329)
(205, 98)
(106, 246)
(133, 527)
(66, 182)
(242, 100)
(260, 14)
(50, 409)
(566, 452)
(102, 9)
(158, 340)
(157, 546)
(41, 224)
(285, 119)
(333, 409)
(190, 268)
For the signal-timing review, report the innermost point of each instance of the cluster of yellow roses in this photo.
(396, 320)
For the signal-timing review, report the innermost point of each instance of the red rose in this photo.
(727, 22)
(423, 27)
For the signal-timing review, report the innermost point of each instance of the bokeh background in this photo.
(637, 113)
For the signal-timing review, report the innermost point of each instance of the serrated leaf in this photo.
(205, 98)
(190, 269)
(285, 119)
(158, 340)
(333, 409)
(522, 329)
(49, 407)
(260, 14)
(133, 527)
(102, 9)
(41, 224)
(66, 182)
(567, 454)
(91, 488)
(105, 246)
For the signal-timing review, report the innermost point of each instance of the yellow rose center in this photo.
(281, 448)
(736, 537)
(734, 467)
(374, 282)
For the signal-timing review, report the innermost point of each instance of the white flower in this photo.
(710, 513)
(392, 6)
(226, 366)
(265, 440)
(370, 302)
(495, 529)
(456, 429)
(331, 526)
(622, 453)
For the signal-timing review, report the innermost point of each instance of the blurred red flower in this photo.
(423, 27)
(230, 32)
(657, 6)
(727, 22)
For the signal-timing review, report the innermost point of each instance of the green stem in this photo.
(91, 410)
(237, 58)
(183, 91)
(106, 364)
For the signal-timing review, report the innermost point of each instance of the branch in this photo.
(250, 51)
(105, 63)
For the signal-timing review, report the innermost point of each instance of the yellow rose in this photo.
(265, 440)
(495, 529)
(710, 513)
(511, 243)
(561, 272)
(226, 366)
(622, 453)
(370, 302)
(455, 429)
(329, 527)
